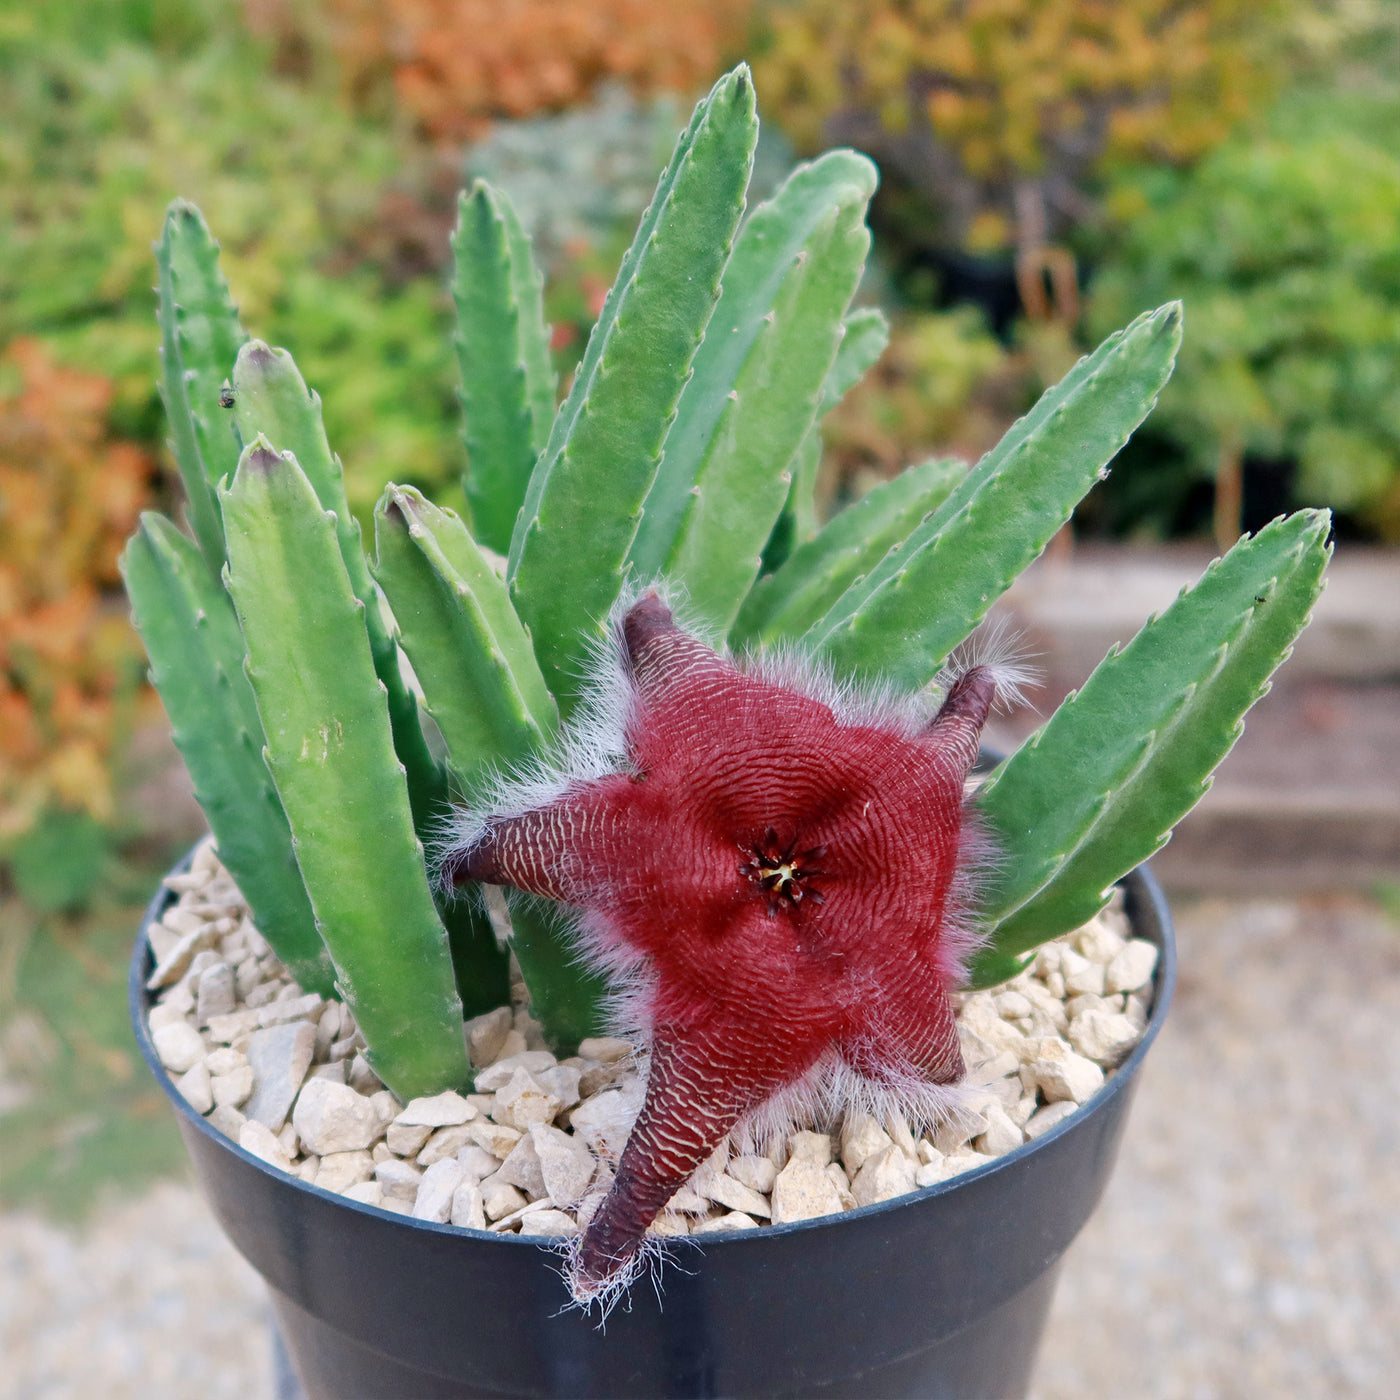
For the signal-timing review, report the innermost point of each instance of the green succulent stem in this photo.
(330, 749)
(508, 378)
(196, 653)
(606, 441)
(1100, 785)
(769, 244)
(902, 619)
(484, 689)
(200, 335)
(785, 603)
(470, 651)
(271, 398)
(742, 480)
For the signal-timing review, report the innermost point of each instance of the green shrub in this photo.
(95, 144)
(1286, 252)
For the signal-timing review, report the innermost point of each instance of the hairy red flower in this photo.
(777, 870)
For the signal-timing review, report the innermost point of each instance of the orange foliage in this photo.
(458, 64)
(69, 496)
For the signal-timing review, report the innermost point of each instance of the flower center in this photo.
(783, 873)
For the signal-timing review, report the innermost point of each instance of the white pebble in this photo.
(485, 1035)
(1098, 942)
(445, 1142)
(499, 1198)
(263, 1143)
(930, 1171)
(367, 1193)
(443, 1110)
(405, 1139)
(959, 1162)
(757, 1173)
(280, 1057)
(165, 1014)
(883, 1176)
(1001, 1134)
(362, 1077)
(522, 1168)
(735, 1220)
(334, 1118)
(811, 1147)
(502, 1071)
(216, 992)
(803, 1190)
(1011, 1004)
(566, 1164)
(524, 1101)
(1132, 968)
(551, 1224)
(179, 1046)
(234, 1026)
(960, 1126)
(196, 1088)
(861, 1137)
(340, 1170)
(1062, 1074)
(606, 1049)
(398, 1178)
(436, 1189)
(477, 1162)
(234, 1088)
(226, 1120)
(1048, 1117)
(734, 1195)
(605, 1120)
(1103, 1036)
(467, 1210)
(496, 1138)
(1080, 974)
(563, 1081)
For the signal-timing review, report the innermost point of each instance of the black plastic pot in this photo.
(942, 1293)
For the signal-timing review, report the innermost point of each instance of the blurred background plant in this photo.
(70, 665)
(1059, 164)
(1285, 244)
(454, 67)
(989, 117)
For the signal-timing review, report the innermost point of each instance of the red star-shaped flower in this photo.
(778, 871)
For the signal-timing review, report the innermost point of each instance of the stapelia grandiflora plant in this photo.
(757, 814)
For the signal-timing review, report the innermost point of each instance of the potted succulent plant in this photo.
(758, 814)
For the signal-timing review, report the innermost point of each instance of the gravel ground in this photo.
(1250, 1243)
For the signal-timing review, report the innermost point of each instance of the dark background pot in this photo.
(942, 1293)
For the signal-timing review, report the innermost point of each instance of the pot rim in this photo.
(1139, 885)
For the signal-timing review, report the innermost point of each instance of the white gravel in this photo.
(541, 1133)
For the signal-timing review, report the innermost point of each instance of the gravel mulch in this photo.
(532, 1151)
